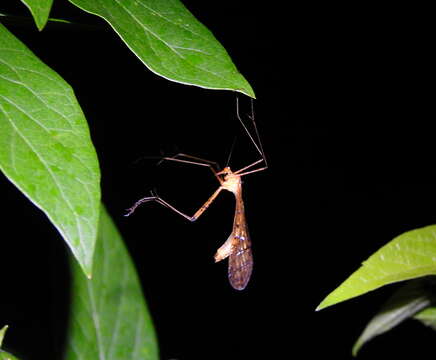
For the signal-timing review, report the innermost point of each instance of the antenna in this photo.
(231, 151)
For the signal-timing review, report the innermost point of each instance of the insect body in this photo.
(238, 245)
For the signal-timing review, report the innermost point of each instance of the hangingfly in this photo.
(238, 245)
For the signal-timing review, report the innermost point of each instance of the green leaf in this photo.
(427, 317)
(7, 356)
(410, 255)
(40, 10)
(2, 334)
(170, 42)
(109, 318)
(404, 303)
(3, 354)
(45, 146)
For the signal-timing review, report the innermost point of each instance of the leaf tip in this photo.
(247, 91)
(356, 348)
(40, 27)
(326, 302)
(86, 269)
(2, 333)
(321, 306)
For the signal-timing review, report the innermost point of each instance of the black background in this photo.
(343, 109)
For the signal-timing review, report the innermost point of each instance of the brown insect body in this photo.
(238, 245)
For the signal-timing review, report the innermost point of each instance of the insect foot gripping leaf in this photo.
(408, 256)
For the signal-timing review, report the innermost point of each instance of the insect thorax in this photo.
(232, 182)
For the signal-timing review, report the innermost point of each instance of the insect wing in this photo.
(240, 261)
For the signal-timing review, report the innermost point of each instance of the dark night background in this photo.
(343, 109)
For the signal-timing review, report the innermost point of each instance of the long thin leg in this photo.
(212, 165)
(257, 145)
(198, 159)
(159, 200)
(258, 148)
(238, 172)
(253, 171)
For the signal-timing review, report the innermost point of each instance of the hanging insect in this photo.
(238, 245)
